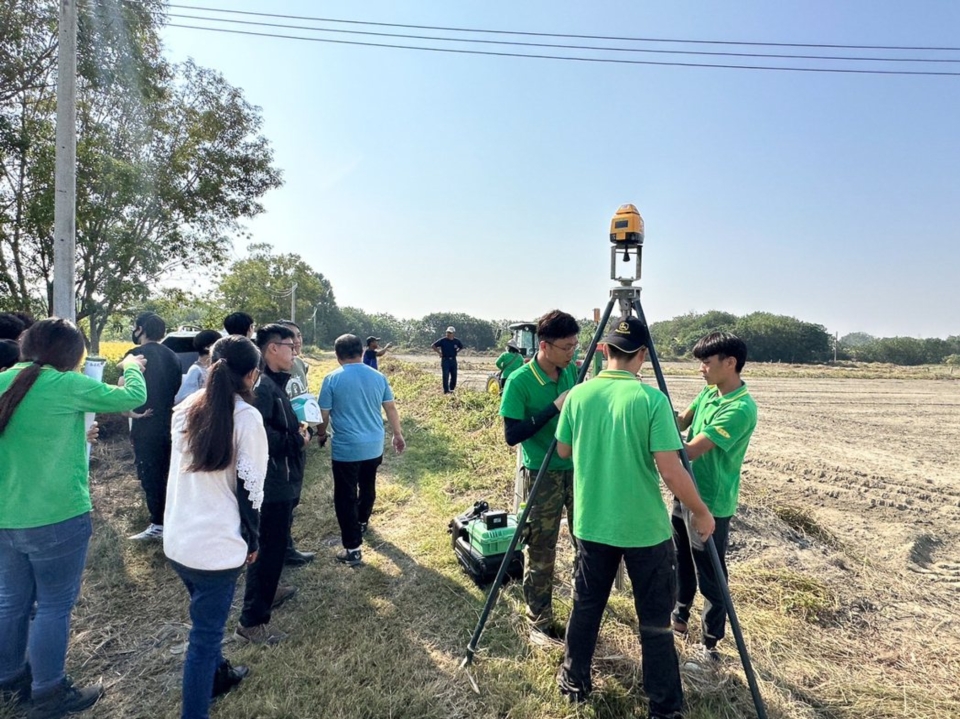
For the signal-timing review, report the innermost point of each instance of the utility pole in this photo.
(65, 179)
(293, 303)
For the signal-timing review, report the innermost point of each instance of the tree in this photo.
(170, 160)
(261, 283)
(473, 332)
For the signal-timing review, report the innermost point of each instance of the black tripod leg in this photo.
(710, 546)
(494, 592)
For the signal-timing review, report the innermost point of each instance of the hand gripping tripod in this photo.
(626, 234)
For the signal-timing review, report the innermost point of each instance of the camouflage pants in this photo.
(543, 525)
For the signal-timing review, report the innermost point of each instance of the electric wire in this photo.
(571, 36)
(713, 53)
(617, 61)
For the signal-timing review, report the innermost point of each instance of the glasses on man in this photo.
(569, 349)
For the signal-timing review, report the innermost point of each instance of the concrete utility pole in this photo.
(293, 303)
(65, 180)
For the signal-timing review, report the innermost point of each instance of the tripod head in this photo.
(626, 233)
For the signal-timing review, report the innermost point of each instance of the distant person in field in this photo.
(353, 400)
(150, 428)
(11, 326)
(532, 400)
(374, 351)
(212, 516)
(196, 376)
(448, 347)
(508, 362)
(239, 323)
(622, 438)
(286, 439)
(721, 421)
(45, 522)
(296, 386)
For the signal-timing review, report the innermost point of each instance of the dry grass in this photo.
(385, 640)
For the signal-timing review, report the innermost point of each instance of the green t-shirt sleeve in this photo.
(663, 428)
(89, 395)
(513, 404)
(729, 425)
(564, 425)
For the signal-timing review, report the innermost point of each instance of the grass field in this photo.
(844, 572)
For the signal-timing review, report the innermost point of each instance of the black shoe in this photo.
(17, 690)
(573, 693)
(293, 558)
(227, 677)
(350, 557)
(63, 699)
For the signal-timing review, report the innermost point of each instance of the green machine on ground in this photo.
(481, 538)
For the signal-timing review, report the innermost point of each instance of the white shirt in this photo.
(202, 519)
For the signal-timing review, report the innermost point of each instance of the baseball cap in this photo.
(629, 335)
(451, 329)
(371, 338)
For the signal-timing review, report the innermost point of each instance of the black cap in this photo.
(629, 335)
(371, 338)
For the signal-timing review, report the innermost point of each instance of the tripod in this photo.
(628, 298)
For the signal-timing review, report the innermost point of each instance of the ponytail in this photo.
(10, 400)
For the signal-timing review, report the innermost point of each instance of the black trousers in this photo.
(354, 492)
(263, 576)
(694, 565)
(151, 452)
(652, 573)
(448, 366)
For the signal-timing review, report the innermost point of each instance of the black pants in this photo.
(448, 365)
(694, 565)
(263, 576)
(652, 573)
(151, 451)
(354, 492)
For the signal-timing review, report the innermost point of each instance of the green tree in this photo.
(473, 332)
(261, 283)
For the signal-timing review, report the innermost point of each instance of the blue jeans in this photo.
(42, 564)
(211, 594)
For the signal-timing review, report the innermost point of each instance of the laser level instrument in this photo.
(626, 233)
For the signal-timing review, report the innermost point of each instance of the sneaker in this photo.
(227, 677)
(283, 593)
(350, 557)
(63, 699)
(294, 558)
(259, 634)
(154, 531)
(17, 690)
(703, 659)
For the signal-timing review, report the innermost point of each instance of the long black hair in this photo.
(209, 424)
(55, 342)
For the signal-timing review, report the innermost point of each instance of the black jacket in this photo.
(286, 445)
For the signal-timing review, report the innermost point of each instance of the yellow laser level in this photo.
(626, 227)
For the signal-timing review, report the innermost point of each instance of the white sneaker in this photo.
(703, 659)
(154, 531)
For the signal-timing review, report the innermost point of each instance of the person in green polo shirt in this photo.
(509, 362)
(532, 400)
(720, 421)
(622, 438)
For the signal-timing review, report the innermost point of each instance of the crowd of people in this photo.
(220, 455)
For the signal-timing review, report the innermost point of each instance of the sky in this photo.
(419, 182)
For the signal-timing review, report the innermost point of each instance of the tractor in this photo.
(524, 336)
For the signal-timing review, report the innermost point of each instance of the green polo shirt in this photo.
(508, 363)
(728, 421)
(615, 423)
(527, 392)
(43, 451)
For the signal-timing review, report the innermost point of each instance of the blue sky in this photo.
(420, 182)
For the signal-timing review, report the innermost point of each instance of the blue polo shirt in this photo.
(354, 395)
(448, 347)
(370, 358)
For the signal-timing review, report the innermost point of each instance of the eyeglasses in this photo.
(283, 344)
(568, 349)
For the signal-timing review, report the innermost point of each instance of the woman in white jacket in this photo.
(214, 492)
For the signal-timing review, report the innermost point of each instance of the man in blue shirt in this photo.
(350, 401)
(373, 351)
(448, 347)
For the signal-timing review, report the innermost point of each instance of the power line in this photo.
(570, 36)
(567, 46)
(616, 61)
